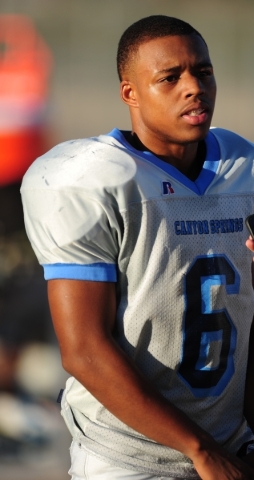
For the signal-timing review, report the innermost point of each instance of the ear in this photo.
(128, 93)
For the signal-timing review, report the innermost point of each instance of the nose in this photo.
(193, 85)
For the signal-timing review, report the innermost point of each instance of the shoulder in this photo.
(232, 144)
(85, 163)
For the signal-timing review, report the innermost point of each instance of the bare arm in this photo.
(84, 317)
(249, 390)
(249, 393)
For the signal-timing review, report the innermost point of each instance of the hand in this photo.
(250, 244)
(217, 464)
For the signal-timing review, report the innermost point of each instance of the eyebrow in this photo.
(178, 67)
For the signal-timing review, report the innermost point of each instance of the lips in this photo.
(195, 112)
(195, 115)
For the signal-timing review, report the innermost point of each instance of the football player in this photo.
(141, 235)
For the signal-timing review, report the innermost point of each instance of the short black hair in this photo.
(146, 29)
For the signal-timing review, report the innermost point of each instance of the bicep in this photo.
(83, 313)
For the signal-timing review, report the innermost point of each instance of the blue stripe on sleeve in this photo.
(98, 272)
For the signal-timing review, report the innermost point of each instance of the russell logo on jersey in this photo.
(167, 188)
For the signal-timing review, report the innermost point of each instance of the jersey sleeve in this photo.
(72, 198)
(73, 235)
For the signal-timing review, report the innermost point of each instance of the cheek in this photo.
(156, 106)
(213, 90)
(159, 106)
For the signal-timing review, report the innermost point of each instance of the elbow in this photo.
(69, 360)
(66, 364)
(77, 364)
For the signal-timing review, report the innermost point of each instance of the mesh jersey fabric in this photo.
(100, 210)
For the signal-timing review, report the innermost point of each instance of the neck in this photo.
(188, 159)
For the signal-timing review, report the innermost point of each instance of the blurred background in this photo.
(58, 81)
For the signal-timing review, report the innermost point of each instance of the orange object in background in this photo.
(25, 66)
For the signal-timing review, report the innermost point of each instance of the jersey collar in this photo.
(207, 174)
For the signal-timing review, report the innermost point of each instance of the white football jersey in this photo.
(98, 209)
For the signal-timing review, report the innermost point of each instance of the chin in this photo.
(199, 134)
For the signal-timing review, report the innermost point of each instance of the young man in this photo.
(141, 235)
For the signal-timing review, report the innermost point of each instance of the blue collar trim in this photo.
(207, 174)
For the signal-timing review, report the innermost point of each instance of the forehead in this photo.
(170, 51)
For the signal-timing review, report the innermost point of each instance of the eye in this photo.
(208, 72)
(170, 78)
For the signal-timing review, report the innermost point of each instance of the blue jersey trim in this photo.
(211, 163)
(206, 175)
(98, 272)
